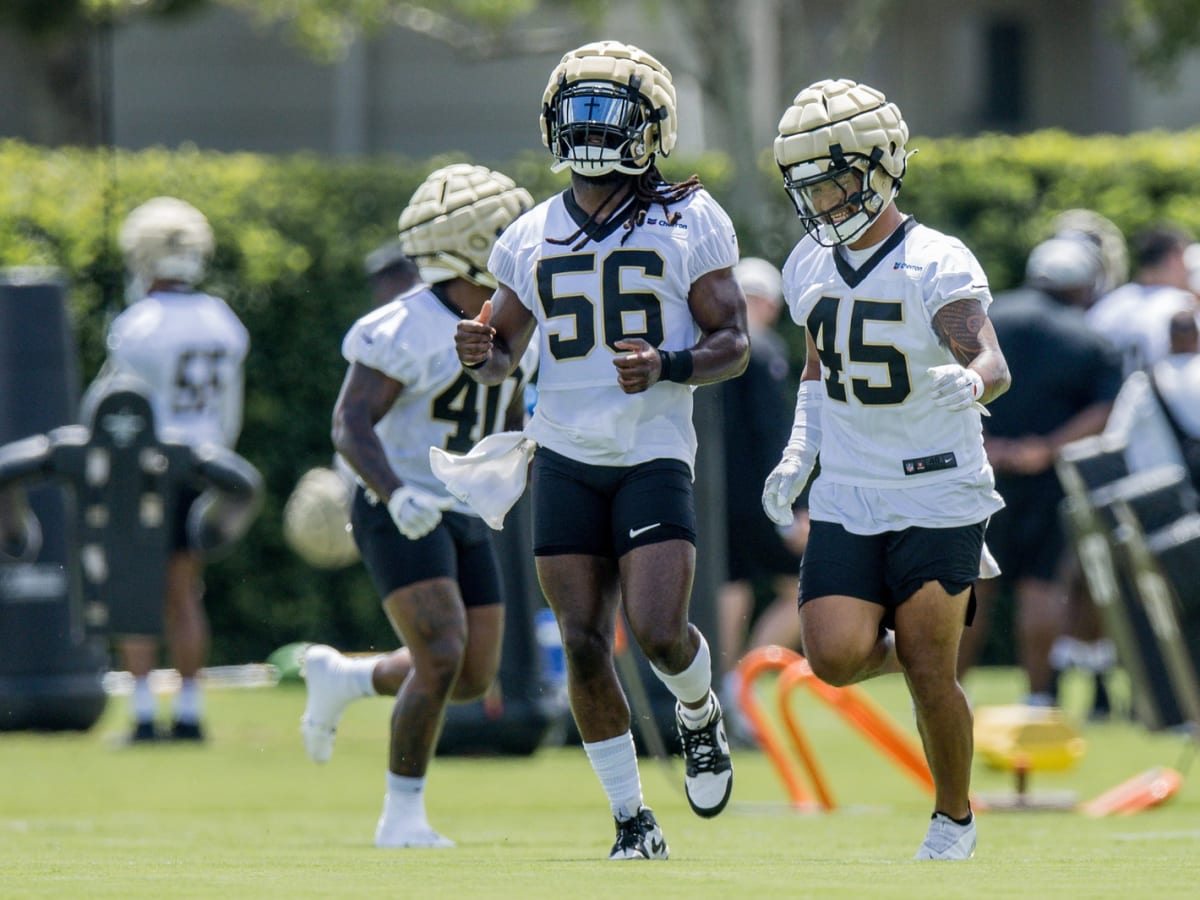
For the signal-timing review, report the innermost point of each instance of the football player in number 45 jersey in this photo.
(901, 358)
(628, 281)
(431, 558)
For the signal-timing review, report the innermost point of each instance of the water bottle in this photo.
(550, 650)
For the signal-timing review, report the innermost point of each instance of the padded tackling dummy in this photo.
(1155, 589)
(1126, 509)
(51, 661)
(126, 485)
(1087, 464)
(1084, 467)
(1177, 549)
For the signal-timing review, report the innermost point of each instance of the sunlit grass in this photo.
(249, 816)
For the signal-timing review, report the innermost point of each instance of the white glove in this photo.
(788, 479)
(783, 486)
(416, 512)
(956, 388)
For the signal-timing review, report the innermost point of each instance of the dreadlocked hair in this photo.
(649, 189)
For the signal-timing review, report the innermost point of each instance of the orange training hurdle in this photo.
(854, 706)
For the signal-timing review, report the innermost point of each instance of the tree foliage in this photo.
(292, 231)
(1158, 34)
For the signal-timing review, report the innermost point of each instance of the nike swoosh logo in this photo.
(656, 846)
(634, 532)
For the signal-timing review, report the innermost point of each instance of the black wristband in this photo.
(479, 365)
(676, 365)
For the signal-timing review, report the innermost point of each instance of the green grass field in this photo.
(249, 816)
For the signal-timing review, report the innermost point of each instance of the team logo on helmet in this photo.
(454, 218)
(165, 239)
(841, 148)
(608, 107)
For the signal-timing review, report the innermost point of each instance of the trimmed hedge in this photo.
(292, 231)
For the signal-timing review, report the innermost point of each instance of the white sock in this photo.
(695, 718)
(360, 671)
(189, 703)
(143, 701)
(405, 796)
(694, 682)
(615, 764)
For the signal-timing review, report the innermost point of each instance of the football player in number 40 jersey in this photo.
(901, 358)
(628, 280)
(429, 556)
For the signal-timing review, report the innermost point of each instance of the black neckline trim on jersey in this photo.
(596, 231)
(854, 277)
(443, 295)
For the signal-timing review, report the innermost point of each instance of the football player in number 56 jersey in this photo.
(628, 280)
(901, 358)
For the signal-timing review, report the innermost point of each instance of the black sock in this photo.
(966, 821)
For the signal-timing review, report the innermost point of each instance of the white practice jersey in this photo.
(1136, 320)
(411, 340)
(189, 349)
(890, 457)
(586, 301)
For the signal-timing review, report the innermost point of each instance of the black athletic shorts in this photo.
(460, 547)
(179, 541)
(1027, 537)
(889, 568)
(609, 510)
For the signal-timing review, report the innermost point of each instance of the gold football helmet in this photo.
(165, 239)
(608, 107)
(454, 218)
(845, 138)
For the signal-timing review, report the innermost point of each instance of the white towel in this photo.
(490, 478)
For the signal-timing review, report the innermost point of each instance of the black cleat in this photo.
(143, 733)
(708, 772)
(186, 731)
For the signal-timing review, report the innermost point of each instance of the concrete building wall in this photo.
(216, 81)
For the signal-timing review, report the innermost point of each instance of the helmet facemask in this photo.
(598, 127)
(834, 128)
(608, 109)
(838, 197)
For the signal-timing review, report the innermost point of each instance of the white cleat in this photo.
(946, 839)
(395, 833)
(329, 693)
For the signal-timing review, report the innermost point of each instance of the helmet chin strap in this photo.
(870, 204)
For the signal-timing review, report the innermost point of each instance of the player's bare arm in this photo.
(490, 345)
(366, 396)
(719, 308)
(965, 329)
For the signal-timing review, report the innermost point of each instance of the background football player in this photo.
(188, 349)
(431, 558)
(628, 281)
(900, 356)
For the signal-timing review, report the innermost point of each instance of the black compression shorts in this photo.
(609, 510)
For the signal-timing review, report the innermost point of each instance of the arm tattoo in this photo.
(958, 325)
